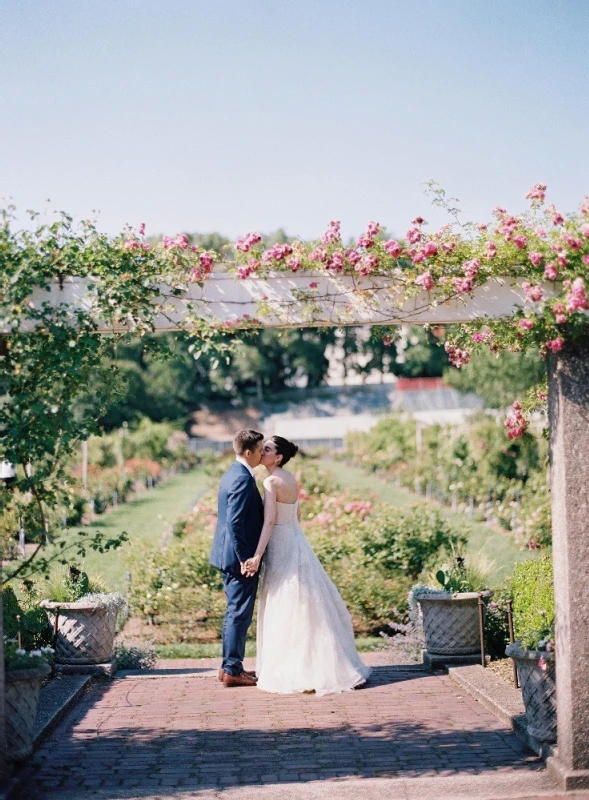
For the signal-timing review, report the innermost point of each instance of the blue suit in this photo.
(240, 518)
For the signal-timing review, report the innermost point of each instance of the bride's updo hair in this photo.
(284, 448)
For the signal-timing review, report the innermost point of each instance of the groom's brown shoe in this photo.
(251, 673)
(244, 679)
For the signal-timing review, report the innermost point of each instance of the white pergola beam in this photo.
(336, 301)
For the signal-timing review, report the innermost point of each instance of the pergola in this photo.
(345, 300)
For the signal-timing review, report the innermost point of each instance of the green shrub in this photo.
(533, 602)
(34, 625)
(407, 540)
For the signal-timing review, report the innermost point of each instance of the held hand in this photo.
(251, 566)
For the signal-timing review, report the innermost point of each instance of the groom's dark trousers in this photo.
(239, 525)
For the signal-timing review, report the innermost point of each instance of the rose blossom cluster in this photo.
(361, 508)
(577, 296)
(244, 271)
(245, 244)
(555, 345)
(332, 234)
(516, 423)
(367, 264)
(277, 253)
(425, 280)
(533, 293)
(456, 356)
(537, 194)
(481, 337)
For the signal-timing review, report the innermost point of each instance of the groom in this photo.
(239, 525)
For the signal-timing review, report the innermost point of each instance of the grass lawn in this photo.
(493, 545)
(145, 519)
(213, 649)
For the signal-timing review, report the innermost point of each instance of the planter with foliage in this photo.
(86, 620)
(450, 612)
(24, 673)
(533, 652)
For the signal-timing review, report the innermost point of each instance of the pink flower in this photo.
(413, 235)
(471, 268)
(313, 285)
(456, 356)
(542, 664)
(206, 262)
(585, 230)
(367, 264)
(559, 313)
(577, 297)
(556, 216)
(537, 194)
(536, 258)
(463, 285)
(132, 244)
(336, 262)
(393, 248)
(373, 228)
(245, 244)
(319, 254)
(425, 280)
(526, 324)
(294, 264)
(181, 241)
(482, 336)
(364, 240)
(418, 221)
(585, 259)
(332, 234)
(243, 272)
(353, 256)
(540, 231)
(429, 249)
(447, 247)
(555, 345)
(142, 229)
(533, 293)
(520, 242)
(516, 423)
(195, 275)
(551, 272)
(491, 250)
(573, 242)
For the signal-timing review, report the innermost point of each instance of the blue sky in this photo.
(233, 116)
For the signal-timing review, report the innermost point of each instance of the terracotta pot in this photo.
(451, 624)
(85, 632)
(538, 686)
(21, 695)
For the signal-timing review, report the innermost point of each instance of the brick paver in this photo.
(167, 734)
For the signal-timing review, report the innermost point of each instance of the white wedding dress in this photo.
(305, 639)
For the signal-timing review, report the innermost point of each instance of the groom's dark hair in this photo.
(246, 440)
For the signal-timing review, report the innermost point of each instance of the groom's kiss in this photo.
(239, 525)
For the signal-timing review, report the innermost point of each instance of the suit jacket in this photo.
(239, 521)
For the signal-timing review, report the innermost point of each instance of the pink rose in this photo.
(206, 262)
(425, 280)
(555, 344)
(294, 264)
(577, 297)
(365, 241)
(491, 250)
(520, 242)
(536, 258)
(373, 228)
(142, 229)
(551, 272)
(526, 324)
(585, 230)
(393, 248)
(429, 249)
(353, 256)
(463, 285)
(413, 235)
(536, 194)
(332, 234)
(533, 293)
(313, 285)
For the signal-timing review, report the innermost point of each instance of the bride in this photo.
(305, 640)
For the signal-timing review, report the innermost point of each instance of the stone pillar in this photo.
(568, 410)
(3, 764)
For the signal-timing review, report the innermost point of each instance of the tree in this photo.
(498, 377)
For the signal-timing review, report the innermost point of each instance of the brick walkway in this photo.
(173, 734)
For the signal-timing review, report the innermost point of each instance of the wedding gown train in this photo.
(305, 639)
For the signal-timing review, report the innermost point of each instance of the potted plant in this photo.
(24, 673)
(85, 614)
(533, 652)
(450, 614)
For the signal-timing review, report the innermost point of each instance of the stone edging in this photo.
(501, 699)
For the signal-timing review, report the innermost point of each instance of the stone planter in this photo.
(85, 631)
(538, 690)
(451, 624)
(21, 694)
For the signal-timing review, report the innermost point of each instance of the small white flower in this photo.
(47, 650)
(36, 654)
(20, 652)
